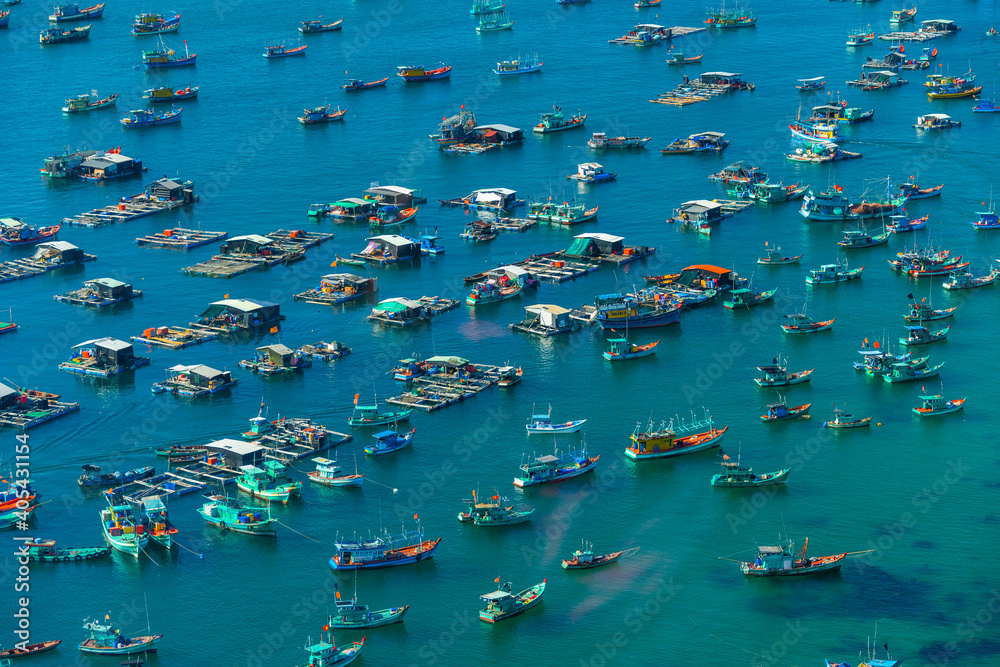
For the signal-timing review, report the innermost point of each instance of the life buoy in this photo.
(78, 557)
(89, 556)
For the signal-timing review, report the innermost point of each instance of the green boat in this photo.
(734, 474)
(180, 451)
(563, 214)
(492, 513)
(502, 603)
(46, 551)
(350, 614)
(326, 654)
(122, 529)
(557, 122)
(269, 483)
(744, 298)
(228, 514)
(368, 415)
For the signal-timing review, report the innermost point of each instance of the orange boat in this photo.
(664, 442)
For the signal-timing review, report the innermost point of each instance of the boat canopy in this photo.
(397, 305)
(392, 239)
(236, 305)
(725, 75)
(381, 435)
(344, 277)
(939, 116)
(447, 361)
(496, 596)
(815, 78)
(652, 26)
(253, 238)
(551, 316)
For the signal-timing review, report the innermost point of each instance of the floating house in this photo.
(103, 357)
(606, 247)
(395, 195)
(388, 249)
(109, 165)
(700, 212)
(351, 209)
(498, 135)
(403, 312)
(731, 80)
(253, 245)
(170, 190)
(337, 288)
(23, 409)
(277, 358)
(54, 254)
(707, 276)
(241, 314)
(546, 320)
(99, 293)
(488, 199)
(237, 453)
(941, 26)
(194, 380)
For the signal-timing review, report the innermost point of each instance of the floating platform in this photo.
(175, 338)
(512, 224)
(180, 238)
(85, 296)
(137, 207)
(88, 366)
(299, 239)
(690, 93)
(557, 270)
(295, 438)
(165, 484)
(16, 269)
(431, 306)
(35, 412)
(325, 351)
(470, 149)
(733, 206)
(222, 266)
(439, 390)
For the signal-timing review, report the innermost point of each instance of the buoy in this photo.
(395, 490)
(878, 423)
(201, 556)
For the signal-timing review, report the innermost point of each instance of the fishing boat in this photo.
(816, 132)
(913, 191)
(803, 324)
(555, 467)
(509, 376)
(347, 261)
(387, 442)
(280, 51)
(147, 117)
(105, 639)
(901, 224)
(317, 25)
(601, 140)
(936, 121)
(502, 603)
(591, 172)
(923, 270)
(359, 84)
(919, 335)
(770, 193)
(937, 405)
(259, 484)
(89, 102)
(229, 514)
(833, 273)
(457, 129)
(493, 290)
(170, 94)
(486, 6)
(985, 106)
(542, 424)
(677, 57)
(859, 238)
(47, 552)
(92, 476)
(815, 83)
(987, 219)
(844, 419)
(643, 4)
(877, 80)
(15, 518)
(964, 280)
(563, 214)
(16, 495)
(925, 313)
(905, 372)
(67, 164)
(776, 375)
(821, 152)
(368, 415)
(739, 172)
(121, 527)
(391, 216)
(736, 475)
(153, 514)
(696, 143)
(155, 24)
(72, 12)
(777, 412)
(860, 37)
(349, 614)
(730, 18)
(950, 88)
(674, 440)
(494, 21)
(327, 472)
(903, 15)
(556, 121)
(323, 114)
(782, 561)
(746, 298)
(774, 256)
(29, 649)
(58, 35)
(518, 66)
(492, 512)
(628, 311)
(419, 73)
(383, 551)
(15, 232)
(164, 57)
(644, 34)
(622, 349)
(326, 654)
(585, 559)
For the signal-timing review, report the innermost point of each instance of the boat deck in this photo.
(33, 415)
(733, 206)
(183, 388)
(164, 485)
(138, 207)
(435, 304)
(538, 330)
(436, 391)
(176, 338)
(512, 224)
(85, 297)
(470, 149)
(180, 238)
(618, 259)
(557, 271)
(16, 269)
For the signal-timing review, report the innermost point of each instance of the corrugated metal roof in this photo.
(548, 308)
(256, 238)
(107, 282)
(57, 245)
(600, 237)
(235, 446)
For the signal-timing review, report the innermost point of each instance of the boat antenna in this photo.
(146, 602)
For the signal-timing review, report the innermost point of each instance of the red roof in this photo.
(708, 267)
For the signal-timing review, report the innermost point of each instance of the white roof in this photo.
(106, 339)
(109, 282)
(393, 188)
(815, 78)
(235, 446)
(516, 270)
(546, 307)
(649, 25)
(600, 237)
(720, 74)
(114, 157)
(394, 239)
(243, 304)
(590, 165)
(499, 191)
(113, 344)
(497, 126)
(939, 116)
(200, 369)
(885, 71)
(409, 303)
(57, 245)
(256, 238)
(702, 202)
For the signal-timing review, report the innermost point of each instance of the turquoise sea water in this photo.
(922, 494)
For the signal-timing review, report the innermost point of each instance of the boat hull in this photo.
(951, 406)
(830, 564)
(138, 645)
(376, 619)
(589, 466)
(767, 479)
(711, 440)
(406, 557)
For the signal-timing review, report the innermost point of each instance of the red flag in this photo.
(876, 345)
(725, 456)
(325, 628)
(497, 580)
(356, 399)
(415, 517)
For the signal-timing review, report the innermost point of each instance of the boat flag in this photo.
(334, 263)
(274, 329)
(497, 580)
(325, 628)
(725, 456)
(338, 597)
(416, 517)
(107, 617)
(225, 296)
(876, 345)
(356, 399)
(866, 342)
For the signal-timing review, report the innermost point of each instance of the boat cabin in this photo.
(351, 208)
(109, 288)
(242, 313)
(235, 454)
(740, 172)
(348, 284)
(399, 310)
(494, 198)
(500, 135)
(707, 276)
(392, 194)
(591, 171)
(104, 357)
(511, 274)
(391, 247)
(700, 211)
(880, 79)
(595, 245)
(278, 354)
(109, 165)
(546, 319)
(729, 79)
(170, 190)
(58, 253)
(254, 245)
(935, 121)
(939, 25)
(774, 558)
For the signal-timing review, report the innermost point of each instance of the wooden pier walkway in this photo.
(180, 238)
(138, 207)
(553, 270)
(36, 414)
(298, 239)
(230, 266)
(438, 390)
(85, 296)
(175, 338)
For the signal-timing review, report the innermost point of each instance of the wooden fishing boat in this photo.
(642, 4)
(520, 65)
(542, 425)
(833, 273)
(985, 106)
(859, 238)
(774, 256)
(13, 496)
(914, 191)
(674, 440)
(486, 6)
(816, 132)
(509, 376)
(735, 475)
(782, 561)
(903, 15)
(46, 551)
(713, 142)
(987, 220)
(591, 172)
(601, 140)
(555, 468)
(815, 83)
(490, 291)
(901, 224)
(164, 57)
(107, 640)
(919, 335)
(147, 117)
(89, 102)
(964, 280)
(58, 35)
(745, 298)
(326, 654)
(770, 193)
(368, 415)
(72, 12)
(905, 372)
(155, 24)
(259, 484)
(383, 551)
(153, 514)
(279, 51)
(358, 84)
(494, 22)
(556, 121)
(351, 615)
(776, 375)
(936, 121)
(5, 17)
(15, 518)
(803, 324)
(622, 349)
(350, 262)
(626, 310)
(15, 232)
(677, 58)
(169, 93)
(178, 451)
(317, 25)
(937, 405)
(843, 419)
(492, 512)
(419, 73)
(30, 649)
(229, 514)
(937, 269)
(860, 38)
(781, 412)
(503, 604)
(387, 442)
(390, 216)
(121, 527)
(326, 472)
(585, 559)
(323, 114)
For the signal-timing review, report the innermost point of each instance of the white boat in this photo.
(543, 424)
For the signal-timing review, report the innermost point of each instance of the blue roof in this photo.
(384, 434)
